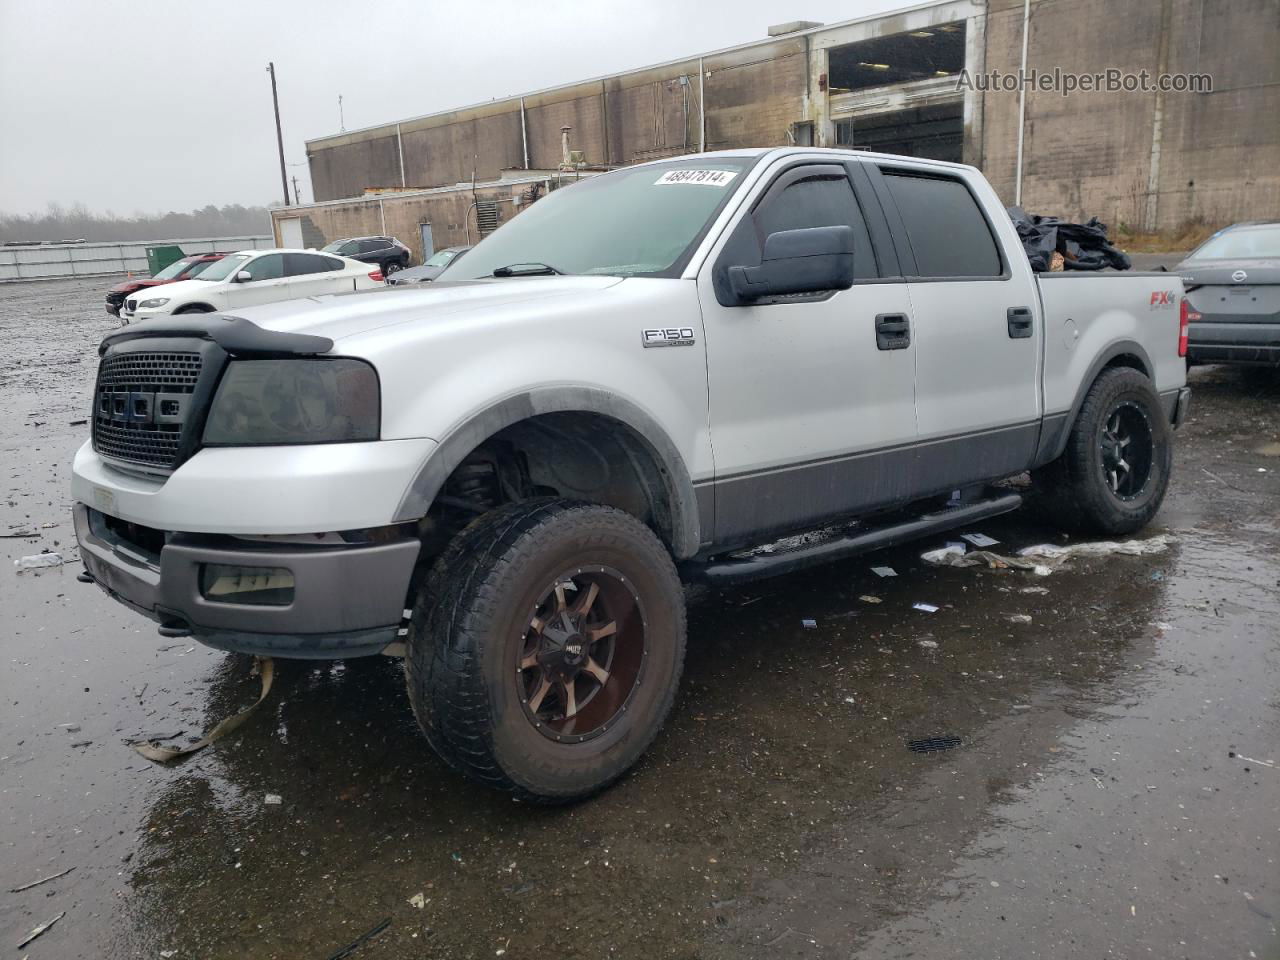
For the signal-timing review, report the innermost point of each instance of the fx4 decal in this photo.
(1163, 298)
(667, 337)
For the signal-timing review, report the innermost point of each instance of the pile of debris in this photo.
(1052, 244)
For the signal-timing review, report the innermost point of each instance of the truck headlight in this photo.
(294, 401)
(151, 304)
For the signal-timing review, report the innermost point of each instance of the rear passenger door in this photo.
(812, 408)
(312, 274)
(976, 325)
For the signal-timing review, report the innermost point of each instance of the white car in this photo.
(251, 277)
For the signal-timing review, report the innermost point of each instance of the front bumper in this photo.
(348, 600)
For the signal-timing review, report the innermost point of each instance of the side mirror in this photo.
(244, 276)
(810, 260)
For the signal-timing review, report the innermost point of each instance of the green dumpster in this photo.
(161, 256)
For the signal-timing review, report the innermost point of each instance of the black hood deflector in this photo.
(236, 335)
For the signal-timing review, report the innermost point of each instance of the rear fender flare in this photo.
(1056, 428)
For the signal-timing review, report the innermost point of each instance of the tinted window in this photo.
(267, 267)
(948, 233)
(372, 246)
(298, 264)
(818, 196)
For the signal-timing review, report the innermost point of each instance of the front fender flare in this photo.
(463, 439)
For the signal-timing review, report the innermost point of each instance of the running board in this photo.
(725, 572)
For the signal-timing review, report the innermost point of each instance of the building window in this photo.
(923, 54)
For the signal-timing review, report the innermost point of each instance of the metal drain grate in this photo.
(933, 744)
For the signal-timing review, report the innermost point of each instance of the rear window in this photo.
(1242, 244)
(948, 233)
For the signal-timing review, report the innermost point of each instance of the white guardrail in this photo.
(55, 261)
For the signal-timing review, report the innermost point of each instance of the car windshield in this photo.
(174, 269)
(641, 221)
(1247, 243)
(441, 258)
(224, 267)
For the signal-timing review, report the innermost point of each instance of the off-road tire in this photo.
(1073, 491)
(466, 631)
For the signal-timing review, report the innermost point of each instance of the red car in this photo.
(183, 269)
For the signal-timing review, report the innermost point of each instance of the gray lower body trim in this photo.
(347, 601)
(753, 507)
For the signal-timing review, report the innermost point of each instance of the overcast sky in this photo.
(154, 105)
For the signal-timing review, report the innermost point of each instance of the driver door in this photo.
(268, 283)
(812, 407)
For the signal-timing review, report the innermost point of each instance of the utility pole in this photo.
(342, 124)
(275, 103)
(297, 202)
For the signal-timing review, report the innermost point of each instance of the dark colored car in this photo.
(431, 269)
(1232, 282)
(183, 269)
(387, 252)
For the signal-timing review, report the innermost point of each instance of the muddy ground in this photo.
(1115, 793)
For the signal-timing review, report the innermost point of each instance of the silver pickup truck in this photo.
(507, 474)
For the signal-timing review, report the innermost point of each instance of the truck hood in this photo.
(339, 316)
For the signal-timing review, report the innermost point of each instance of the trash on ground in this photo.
(869, 598)
(928, 644)
(1044, 558)
(979, 539)
(933, 744)
(41, 929)
(39, 561)
(418, 900)
(1019, 618)
(153, 751)
(1034, 590)
(809, 624)
(361, 940)
(884, 571)
(70, 727)
(926, 607)
(951, 549)
(36, 883)
(274, 799)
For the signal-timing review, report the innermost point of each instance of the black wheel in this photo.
(1113, 475)
(545, 649)
(391, 266)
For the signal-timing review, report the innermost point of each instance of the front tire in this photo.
(546, 648)
(1113, 474)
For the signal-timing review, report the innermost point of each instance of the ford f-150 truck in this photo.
(507, 474)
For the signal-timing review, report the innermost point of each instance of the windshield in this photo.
(341, 247)
(1245, 244)
(641, 221)
(224, 267)
(173, 269)
(441, 258)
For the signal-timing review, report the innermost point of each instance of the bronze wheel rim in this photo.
(581, 656)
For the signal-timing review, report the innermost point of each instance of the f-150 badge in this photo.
(667, 337)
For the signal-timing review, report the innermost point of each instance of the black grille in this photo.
(132, 403)
(132, 304)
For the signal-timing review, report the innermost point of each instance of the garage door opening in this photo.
(935, 133)
(902, 58)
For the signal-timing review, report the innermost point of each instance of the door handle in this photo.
(1020, 322)
(893, 331)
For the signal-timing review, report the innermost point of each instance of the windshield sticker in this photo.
(707, 178)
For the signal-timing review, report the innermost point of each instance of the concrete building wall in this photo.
(1140, 159)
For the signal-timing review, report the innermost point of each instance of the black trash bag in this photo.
(1084, 246)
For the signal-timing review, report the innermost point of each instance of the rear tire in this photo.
(517, 688)
(391, 266)
(1114, 472)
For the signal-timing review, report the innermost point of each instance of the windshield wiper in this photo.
(527, 270)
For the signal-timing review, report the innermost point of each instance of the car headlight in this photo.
(149, 304)
(295, 401)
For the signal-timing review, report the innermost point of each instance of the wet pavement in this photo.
(1115, 791)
